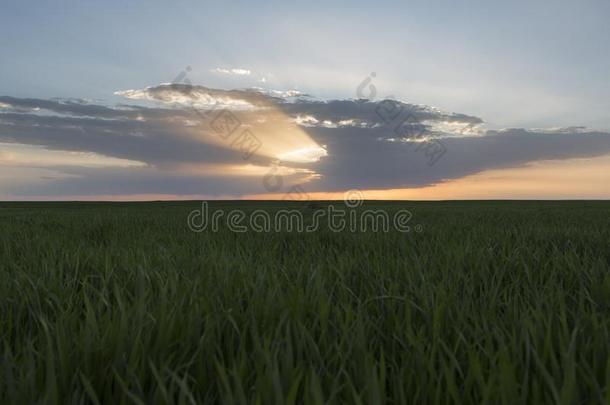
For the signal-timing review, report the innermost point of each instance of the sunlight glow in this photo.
(36, 156)
(304, 155)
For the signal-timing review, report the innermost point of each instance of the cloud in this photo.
(198, 96)
(199, 140)
(383, 113)
(366, 158)
(17, 155)
(237, 72)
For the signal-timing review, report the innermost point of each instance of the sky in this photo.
(291, 100)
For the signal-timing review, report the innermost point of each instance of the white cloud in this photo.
(193, 96)
(285, 93)
(306, 120)
(453, 129)
(234, 71)
(304, 155)
(311, 121)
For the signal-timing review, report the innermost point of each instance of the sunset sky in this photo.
(401, 100)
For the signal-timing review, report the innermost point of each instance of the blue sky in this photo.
(518, 63)
(519, 70)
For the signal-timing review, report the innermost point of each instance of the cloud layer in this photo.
(189, 140)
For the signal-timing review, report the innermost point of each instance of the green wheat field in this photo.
(488, 302)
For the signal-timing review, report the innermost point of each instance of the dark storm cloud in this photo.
(82, 108)
(154, 142)
(70, 107)
(364, 150)
(370, 112)
(360, 160)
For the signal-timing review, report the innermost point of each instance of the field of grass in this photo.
(493, 302)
